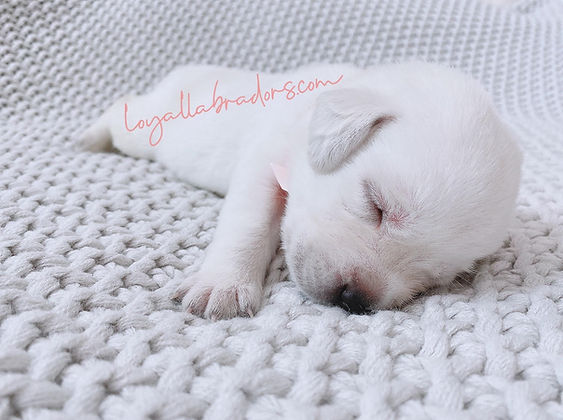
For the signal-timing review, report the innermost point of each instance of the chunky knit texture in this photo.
(92, 245)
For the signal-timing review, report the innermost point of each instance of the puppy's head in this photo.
(404, 183)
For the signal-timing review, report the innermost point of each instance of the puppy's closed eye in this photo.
(374, 204)
(379, 210)
(377, 214)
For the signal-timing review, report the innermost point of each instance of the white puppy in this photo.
(399, 177)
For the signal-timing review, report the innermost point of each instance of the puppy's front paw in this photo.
(217, 296)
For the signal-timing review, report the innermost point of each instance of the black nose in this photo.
(352, 301)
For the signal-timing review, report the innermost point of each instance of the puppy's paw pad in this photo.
(216, 297)
(229, 301)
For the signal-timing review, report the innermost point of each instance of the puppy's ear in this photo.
(343, 121)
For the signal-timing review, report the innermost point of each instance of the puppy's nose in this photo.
(352, 300)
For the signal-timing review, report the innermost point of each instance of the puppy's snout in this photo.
(352, 300)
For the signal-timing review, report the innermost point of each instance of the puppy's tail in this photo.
(98, 137)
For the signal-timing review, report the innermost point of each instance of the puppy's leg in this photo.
(230, 281)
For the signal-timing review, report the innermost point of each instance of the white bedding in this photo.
(92, 245)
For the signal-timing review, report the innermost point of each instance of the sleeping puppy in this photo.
(398, 177)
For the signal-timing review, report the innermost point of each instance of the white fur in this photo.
(422, 140)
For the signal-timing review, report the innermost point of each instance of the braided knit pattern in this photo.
(93, 245)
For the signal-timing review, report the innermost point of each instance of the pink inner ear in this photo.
(281, 175)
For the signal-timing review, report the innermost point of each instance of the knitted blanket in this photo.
(93, 245)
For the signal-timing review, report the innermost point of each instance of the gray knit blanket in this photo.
(93, 245)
